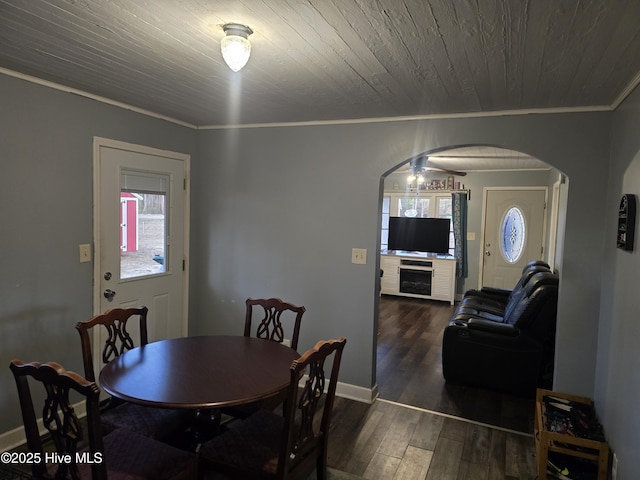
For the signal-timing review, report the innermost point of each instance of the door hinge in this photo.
(184, 265)
(184, 184)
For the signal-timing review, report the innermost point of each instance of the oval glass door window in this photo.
(512, 235)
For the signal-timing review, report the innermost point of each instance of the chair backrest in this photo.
(270, 325)
(536, 263)
(536, 312)
(303, 440)
(527, 272)
(119, 340)
(59, 417)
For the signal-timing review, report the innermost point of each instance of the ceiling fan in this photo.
(418, 165)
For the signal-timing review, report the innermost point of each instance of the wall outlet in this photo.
(614, 467)
(286, 342)
(359, 255)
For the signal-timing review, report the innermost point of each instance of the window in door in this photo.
(512, 235)
(143, 225)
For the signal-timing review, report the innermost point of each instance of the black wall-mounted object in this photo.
(626, 222)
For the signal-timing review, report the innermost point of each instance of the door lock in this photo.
(109, 294)
(107, 276)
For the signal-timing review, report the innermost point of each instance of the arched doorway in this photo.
(494, 168)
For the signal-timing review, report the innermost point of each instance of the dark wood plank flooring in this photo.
(420, 427)
(409, 368)
(390, 441)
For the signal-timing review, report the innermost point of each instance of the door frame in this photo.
(485, 192)
(99, 142)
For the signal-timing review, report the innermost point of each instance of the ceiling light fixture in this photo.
(418, 170)
(235, 45)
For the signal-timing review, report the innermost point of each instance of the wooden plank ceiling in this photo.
(329, 59)
(326, 60)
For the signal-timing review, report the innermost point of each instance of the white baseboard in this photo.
(14, 438)
(360, 394)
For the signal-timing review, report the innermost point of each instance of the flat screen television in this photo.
(430, 235)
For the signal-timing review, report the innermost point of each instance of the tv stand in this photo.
(418, 275)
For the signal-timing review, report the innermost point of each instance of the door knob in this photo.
(109, 294)
(487, 253)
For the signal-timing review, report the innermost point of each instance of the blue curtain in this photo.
(459, 204)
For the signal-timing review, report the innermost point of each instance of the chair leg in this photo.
(321, 469)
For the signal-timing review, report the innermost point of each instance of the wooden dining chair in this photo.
(288, 446)
(158, 423)
(268, 315)
(122, 454)
(270, 326)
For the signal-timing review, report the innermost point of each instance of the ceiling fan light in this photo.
(235, 46)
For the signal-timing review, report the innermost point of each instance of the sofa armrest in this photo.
(493, 327)
(464, 314)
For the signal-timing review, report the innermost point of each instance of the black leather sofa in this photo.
(505, 340)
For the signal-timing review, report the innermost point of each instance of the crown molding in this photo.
(350, 121)
(97, 98)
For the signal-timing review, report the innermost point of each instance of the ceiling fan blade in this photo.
(444, 170)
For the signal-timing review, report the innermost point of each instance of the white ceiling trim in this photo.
(97, 98)
(626, 92)
(501, 113)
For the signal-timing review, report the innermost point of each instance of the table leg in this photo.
(205, 424)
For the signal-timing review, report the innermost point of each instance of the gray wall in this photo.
(617, 393)
(279, 210)
(46, 185)
(276, 211)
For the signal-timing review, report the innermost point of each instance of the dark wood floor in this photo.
(409, 367)
(420, 427)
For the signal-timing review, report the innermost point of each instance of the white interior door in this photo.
(141, 207)
(513, 234)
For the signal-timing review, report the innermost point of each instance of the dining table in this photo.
(200, 373)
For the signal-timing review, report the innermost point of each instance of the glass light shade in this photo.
(235, 51)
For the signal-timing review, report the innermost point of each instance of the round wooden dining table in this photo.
(204, 372)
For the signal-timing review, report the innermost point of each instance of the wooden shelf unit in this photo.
(626, 222)
(547, 441)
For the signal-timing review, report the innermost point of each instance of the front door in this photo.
(140, 234)
(513, 234)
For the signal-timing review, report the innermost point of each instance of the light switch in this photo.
(85, 253)
(359, 255)
(471, 235)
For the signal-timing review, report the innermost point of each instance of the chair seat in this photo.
(120, 455)
(158, 423)
(149, 421)
(291, 446)
(130, 456)
(250, 446)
